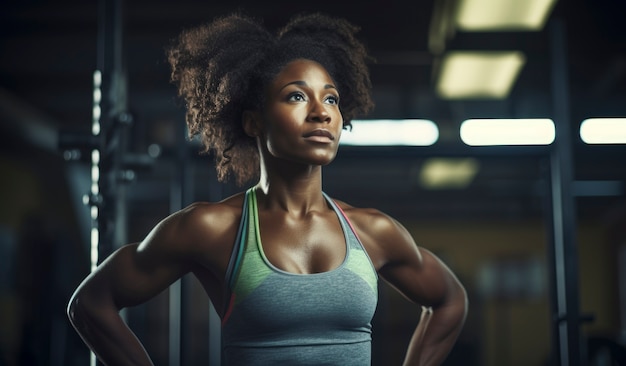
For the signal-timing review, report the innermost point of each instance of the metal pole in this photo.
(107, 196)
(181, 195)
(566, 302)
(215, 322)
(110, 136)
(175, 290)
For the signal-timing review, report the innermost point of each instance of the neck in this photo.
(290, 187)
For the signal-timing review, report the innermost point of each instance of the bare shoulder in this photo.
(384, 238)
(209, 219)
(370, 220)
(206, 228)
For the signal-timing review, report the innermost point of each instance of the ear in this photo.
(250, 121)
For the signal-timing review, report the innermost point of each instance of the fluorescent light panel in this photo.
(406, 132)
(439, 173)
(492, 132)
(603, 131)
(502, 15)
(473, 74)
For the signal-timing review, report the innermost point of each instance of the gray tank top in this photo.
(280, 318)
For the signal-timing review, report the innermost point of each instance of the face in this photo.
(301, 121)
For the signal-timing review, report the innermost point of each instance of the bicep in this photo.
(415, 272)
(421, 277)
(130, 276)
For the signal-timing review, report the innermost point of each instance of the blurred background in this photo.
(535, 231)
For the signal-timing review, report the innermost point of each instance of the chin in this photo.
(319, 160)
(325, 160)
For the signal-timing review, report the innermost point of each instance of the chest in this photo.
(312, 244)
(295, 264)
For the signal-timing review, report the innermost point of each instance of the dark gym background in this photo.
(497, 233)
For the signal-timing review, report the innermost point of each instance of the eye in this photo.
(332, 99)
(296, 97)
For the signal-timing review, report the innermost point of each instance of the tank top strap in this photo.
(345, 222)
(238, 247)
(358, 259)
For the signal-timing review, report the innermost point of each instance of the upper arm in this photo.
(422, 277)
(128, 277)
(137, 272)
(415, 272)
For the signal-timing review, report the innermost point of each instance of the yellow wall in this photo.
(517, 331)
(598, 279)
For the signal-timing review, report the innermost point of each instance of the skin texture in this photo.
(297, 133)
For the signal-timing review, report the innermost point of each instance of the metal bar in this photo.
(181, 195)
(112, 79)
(567, 318)
(555, 356)
(175, 290)
(186, 197)
(621, 282)
(175, 294)
(215, 322)
(215, 337)
(108, 199)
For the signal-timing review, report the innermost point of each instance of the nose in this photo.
(319, 113)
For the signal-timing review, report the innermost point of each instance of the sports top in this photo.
(276, 317)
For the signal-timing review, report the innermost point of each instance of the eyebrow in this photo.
(303, 83)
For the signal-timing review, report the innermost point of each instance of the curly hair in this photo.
(223, 68)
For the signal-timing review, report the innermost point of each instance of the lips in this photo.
(320, 133)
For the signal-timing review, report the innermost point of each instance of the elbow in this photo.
(74, 310)
(455, 302)
(461, 301)
(89, 308)
(82, 310)
(461, 294)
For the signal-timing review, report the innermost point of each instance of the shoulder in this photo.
(385, 238)
(198, 227)
(209, 217)
(370, 220)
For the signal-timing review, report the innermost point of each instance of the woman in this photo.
(292, 273)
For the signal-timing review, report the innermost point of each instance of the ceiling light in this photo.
(491, 132)
(406, 132)
(473, 74)
(498, 15)
(603, 131)
(439, 173)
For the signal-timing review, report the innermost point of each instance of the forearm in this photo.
(436, 333)
(107, 335)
